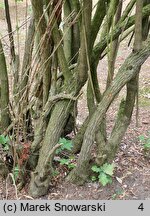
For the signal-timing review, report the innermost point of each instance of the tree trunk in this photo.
(67, 31)
(128, 70)
(4, 92)
(60, 113)
(123, 119)
(41, 176)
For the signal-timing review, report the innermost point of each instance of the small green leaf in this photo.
(104, 179)
(3, 139)
(62, 140)
(64, 161)
(93, 178)
(96, 169)
(147, 145)
(114, 196)
(66, 144)
(55, 173)
(71, 165)
(6, 147)
(58, 150)
(142, 138)
(72, 157)
(108, 168)
(119, 191)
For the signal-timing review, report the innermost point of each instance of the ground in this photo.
(131, 179)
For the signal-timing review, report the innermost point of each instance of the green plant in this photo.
(5, 142)
(93, 178)
(65, 145)
(55, 173)
(67, 162)
(104, 172)
(146, 143)
(117, 193)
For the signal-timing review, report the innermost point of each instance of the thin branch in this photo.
(10, 33)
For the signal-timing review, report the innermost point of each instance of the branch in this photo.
(60, 51)
(11, 39)
(85, 34)
(53, 99)
(4, 90)
(97, 20)
(127, 10)
(99, 48)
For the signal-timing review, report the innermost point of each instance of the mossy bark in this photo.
(4, 92)
(3, 169)
(128, 70)
(126, 107)
(27, 58)
(41, 176)
(67, 31)
(100, 47)
(145, 22)
(75, 30)
(78, 139)
(97, 20)
(44, 47)
(122, 121)
(72, 85)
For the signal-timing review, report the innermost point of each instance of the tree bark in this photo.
(128, 70)
(67, 31)
(44, 47)
(43, 172)
(41, 176)
(4, 91)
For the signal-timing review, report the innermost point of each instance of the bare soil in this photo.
(132, 173)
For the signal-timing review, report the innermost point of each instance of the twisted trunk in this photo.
(128, 70)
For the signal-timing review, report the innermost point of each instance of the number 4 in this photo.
(141, 207)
